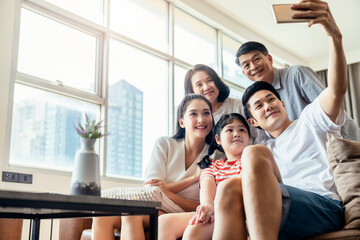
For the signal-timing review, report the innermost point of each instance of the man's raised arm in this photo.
(332, 97)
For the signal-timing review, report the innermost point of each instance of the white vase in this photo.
(85, 179)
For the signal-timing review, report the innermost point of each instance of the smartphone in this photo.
(283, 14)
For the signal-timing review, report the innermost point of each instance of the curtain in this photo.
(352, 97)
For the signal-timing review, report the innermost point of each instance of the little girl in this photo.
(231, 137)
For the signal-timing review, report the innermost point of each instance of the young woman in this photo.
(203, 80)
(231, 137)
(172, 167)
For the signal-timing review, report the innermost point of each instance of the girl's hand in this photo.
(158, 183)
(204, 213)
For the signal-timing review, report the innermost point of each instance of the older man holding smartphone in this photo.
(297, 85)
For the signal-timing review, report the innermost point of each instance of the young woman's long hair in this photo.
(224, 120)
(180, 132)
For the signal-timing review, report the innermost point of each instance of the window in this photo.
(232, 71)
(43, 135)
(89, 9)
(45, 52)
(110, 59)
(147, 18)
(235, 93)
(195, 42)
(143, 78)
(179, 90)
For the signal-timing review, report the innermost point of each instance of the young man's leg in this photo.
(261, 192)
(257, 193)
(310, 214)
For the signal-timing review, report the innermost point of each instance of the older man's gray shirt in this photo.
(300, 85)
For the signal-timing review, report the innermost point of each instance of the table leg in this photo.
(153, 232)
(35, 229)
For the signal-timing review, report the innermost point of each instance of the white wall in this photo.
(7, 12)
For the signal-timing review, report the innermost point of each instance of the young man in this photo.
(306, 203)
(297, 85)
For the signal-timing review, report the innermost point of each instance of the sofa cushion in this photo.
(344, 160)
(338, 235)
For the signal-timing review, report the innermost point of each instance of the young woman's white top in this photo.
(167, 163)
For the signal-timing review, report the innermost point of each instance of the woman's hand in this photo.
(204, 214)
(158, 183)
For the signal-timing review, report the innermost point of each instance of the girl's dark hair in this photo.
(180, 132)
(224, 120)
(224, 89)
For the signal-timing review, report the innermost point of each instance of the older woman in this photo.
(202, 79)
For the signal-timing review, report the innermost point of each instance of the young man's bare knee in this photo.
(227, 192)
(229, 187)
(256, 152)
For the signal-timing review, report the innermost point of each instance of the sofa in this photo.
(344, 160)
(80, 228)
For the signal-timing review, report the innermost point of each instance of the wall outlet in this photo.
(10, 176)
(16, 177)
(25, 178)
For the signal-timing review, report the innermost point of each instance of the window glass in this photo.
(179, 90)
(195, 42)
(90, 9)
(43, 133)
(236, 93)
(55, 52)
(231, 71)
(142, 20)
(136, 108)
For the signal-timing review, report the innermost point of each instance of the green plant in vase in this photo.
(91, 129)
(85, 179)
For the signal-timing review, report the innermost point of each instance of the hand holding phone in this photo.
(283, 14)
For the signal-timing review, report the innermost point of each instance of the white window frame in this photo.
(103, 35)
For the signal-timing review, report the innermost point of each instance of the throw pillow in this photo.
(344, 160)
(143, 193)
